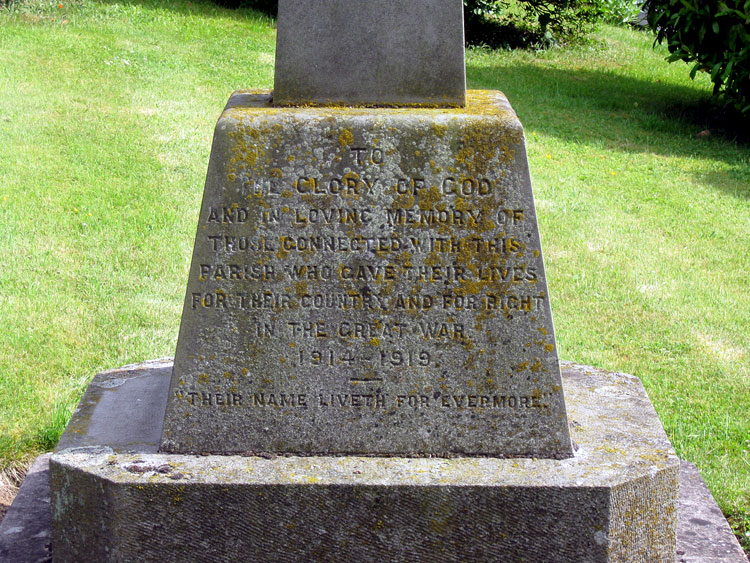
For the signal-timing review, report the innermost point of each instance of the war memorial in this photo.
(366, 367)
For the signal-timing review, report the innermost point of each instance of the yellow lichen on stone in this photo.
(346, 138)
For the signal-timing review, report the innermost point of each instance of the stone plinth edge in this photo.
(703, 534)
(616, 500)
(25, 530)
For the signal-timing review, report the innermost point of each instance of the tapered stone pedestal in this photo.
(367, 281)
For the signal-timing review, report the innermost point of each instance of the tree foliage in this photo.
(621, 11)
(530, 22)
(506, 23)
(713, 35)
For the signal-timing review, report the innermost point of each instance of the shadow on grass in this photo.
(195, 7)
(595, 107)
(625, 114)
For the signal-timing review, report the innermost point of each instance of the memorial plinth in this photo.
(372, 271)
(317, 471)
(614, 501)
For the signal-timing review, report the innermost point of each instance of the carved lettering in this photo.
(332, 216)
(280, 400)
(204, 399)
(228, 215)
(341, 400)
(375, 281)
(432, 217)
(252, 272)
(466, 186)
(491, 402)
(366, 155)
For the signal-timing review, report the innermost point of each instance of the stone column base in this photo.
(615, 500)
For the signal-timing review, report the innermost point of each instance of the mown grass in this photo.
(106, 116)
(646, 232)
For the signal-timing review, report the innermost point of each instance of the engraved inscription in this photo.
(439, 267)
(373, 289)
(371, 400)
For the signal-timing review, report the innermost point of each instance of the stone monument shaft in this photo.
(359, 52)
(368, 281)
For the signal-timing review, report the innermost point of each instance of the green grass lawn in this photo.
(106, 117)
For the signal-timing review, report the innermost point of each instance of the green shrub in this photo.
(505, 23)
(483, 7)
(713, 35)
(621, 11)
(529, 23)
(269, 7)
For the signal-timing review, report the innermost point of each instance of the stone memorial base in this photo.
(116, 500)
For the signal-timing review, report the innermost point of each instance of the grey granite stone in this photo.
(703, 534)
(357, 52)
(367, 282)
(614, 501)
(25, 530)
(122, 408)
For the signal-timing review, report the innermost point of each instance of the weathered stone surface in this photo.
(703, 534)
(390, 52)
(25, 531)
(122, 408)
(367, 282)
(615, 501)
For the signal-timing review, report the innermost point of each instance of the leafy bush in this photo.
(620, 11)
(269, 7)
(503, 23)
(714, 35)
(483, 7)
